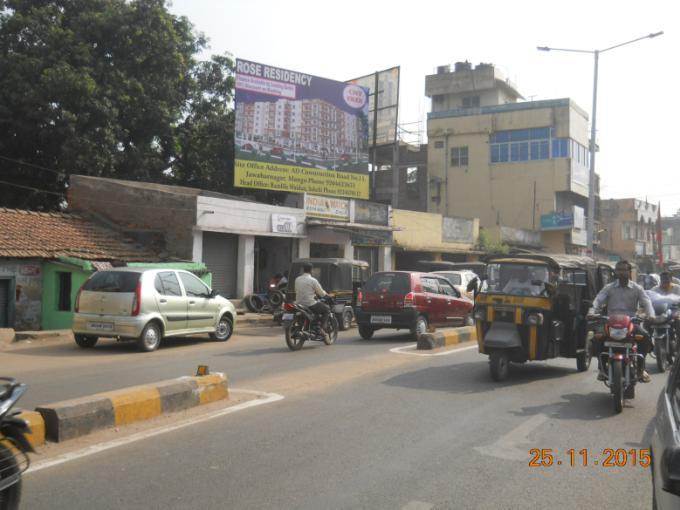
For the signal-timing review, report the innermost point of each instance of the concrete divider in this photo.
(37, 424)
(447, 336)
(78, 417)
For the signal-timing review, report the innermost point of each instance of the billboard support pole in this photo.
(396, 171)
(375, 136)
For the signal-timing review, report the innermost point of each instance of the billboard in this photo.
(388, 104)
(299, 133)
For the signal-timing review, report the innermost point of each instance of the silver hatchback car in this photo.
(149, 304)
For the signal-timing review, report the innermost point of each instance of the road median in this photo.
(78, 417)
(446, 337)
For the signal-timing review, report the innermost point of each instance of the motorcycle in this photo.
(620, 357)
(663, 329)
(301, 325)
(14, 446)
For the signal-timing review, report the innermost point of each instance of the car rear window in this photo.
(454, 278)
(112, 281)
(399, 283)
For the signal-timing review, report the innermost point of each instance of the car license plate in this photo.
(288, 317)
(381, 319)
(100, 326)
(619, 345)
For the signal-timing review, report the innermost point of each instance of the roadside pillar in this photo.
(349, 249)
(246, 265)
(303, 248)
(385, 258)
(197, 251)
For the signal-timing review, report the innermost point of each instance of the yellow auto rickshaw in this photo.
(533, 307)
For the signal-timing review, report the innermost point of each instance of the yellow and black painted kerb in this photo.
(447, 337)
(78, 417)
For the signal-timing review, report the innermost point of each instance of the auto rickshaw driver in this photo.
(522, 284)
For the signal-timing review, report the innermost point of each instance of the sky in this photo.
(637, 87)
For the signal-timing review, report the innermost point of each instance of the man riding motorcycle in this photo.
(307, 288)
(624, 296)
(667, 287)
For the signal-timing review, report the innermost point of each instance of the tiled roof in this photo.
(28, 234)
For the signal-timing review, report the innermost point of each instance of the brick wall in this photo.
(142, 210)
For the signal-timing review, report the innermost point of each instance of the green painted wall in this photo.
(52, 317)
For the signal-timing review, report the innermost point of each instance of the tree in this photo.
(108, 88)
(485, 244)
(205, 138)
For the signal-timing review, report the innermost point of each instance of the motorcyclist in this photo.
(624, 296)
(307, 289)
(667, 287)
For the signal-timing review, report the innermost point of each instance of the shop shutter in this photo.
(220, 254)
(4, 303)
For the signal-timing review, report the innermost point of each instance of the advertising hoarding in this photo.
(388, 104)
(325, 207)
(299, 133)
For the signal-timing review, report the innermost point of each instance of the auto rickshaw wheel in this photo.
(584, 358)
(499, 364)
(345, 320)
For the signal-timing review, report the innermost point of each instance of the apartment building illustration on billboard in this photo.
(311, 128)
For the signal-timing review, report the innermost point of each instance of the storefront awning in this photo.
(347, 225)
(436, 248)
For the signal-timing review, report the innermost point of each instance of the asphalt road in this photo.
(360, 427)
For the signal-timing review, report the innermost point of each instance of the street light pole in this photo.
(590, 227)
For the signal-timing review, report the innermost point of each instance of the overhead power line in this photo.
(33, 165)
(31, 188)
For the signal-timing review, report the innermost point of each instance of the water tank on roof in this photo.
(463, 66)
(443, 69)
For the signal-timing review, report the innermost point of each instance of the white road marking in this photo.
(409, 349)
(507, 446)
(264, 398)
(417, 505)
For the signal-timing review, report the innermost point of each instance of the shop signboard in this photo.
(326, 207)
(284, 224)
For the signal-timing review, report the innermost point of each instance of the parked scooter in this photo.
(14, 445)
(301, 324)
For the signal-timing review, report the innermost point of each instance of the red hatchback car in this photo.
(409, 300)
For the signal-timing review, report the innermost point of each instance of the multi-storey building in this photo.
(629, 229)
(313, 126)
(671, 238)
(523, 165)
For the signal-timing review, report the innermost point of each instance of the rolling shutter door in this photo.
(220, 254)
(4, 303)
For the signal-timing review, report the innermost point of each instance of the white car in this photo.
(460, 280)
(147, 305)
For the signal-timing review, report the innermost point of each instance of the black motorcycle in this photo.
(664, 334)
(14, 445)
(301, 324)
